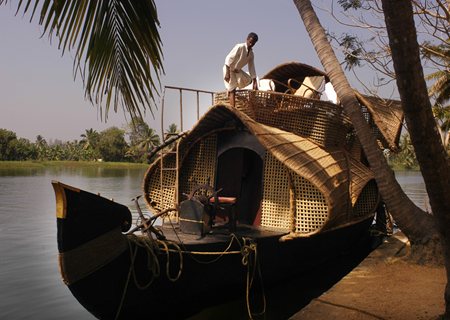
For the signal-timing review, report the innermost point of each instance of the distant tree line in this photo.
(131, 144)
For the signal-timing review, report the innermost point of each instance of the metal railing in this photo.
(181, 90)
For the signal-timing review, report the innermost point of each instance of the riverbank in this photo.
(69, 164)
(383, 286)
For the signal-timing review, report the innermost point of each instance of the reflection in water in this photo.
(30, 283)
(414, 186)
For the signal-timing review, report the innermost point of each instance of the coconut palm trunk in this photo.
(431, 155)
(417, 225)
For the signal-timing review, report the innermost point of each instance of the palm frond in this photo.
(118, 50)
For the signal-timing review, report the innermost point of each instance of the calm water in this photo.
(30, 284)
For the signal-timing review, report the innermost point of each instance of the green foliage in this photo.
(172, 130)
(108, 145)
(115, 44)
(440, 88)
(89, 142)
(112, 145)
(142, 140)
(12, 148)
(370, 48)
(6, 137)
(353, 51)
(22, 149)
(406, 157)
(350, 4)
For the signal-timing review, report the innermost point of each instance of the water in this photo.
(414, 186)
(30, 283)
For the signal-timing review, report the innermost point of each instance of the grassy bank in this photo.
(69, 164)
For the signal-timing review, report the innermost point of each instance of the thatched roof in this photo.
(330, 171)
(387, 115)
(292, 70)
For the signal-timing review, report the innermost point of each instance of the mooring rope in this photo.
(248, 251)
(165, 244)
(152, 266)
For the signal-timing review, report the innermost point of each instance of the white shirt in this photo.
(239, 57)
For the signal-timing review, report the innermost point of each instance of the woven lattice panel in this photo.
(360, 175)
(320, 121)
(152, 187)
(275, 204)
(241, 101)
(386, 115)
(354, 147)
(169, 183)
(311, 207)
(368, 200)
(199, 165)
(160, 194)
(373, 127)
(326, 170)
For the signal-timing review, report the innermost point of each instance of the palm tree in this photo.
(440, 89)
(442, 117)
(41, 147)
(417, 225)
(433, 160)
(149, 140)
(430, 154)
(89, 141)
(116, 45)
(171, 131)
(89, 138)
(142, 139)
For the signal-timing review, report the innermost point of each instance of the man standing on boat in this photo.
(240, 56)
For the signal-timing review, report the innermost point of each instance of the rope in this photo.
(127, 282)
(152, 266)
(221, 254)
(165, 244)
(248, 251)
(204, 253)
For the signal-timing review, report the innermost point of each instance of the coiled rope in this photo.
(150, 245)
(248, 250)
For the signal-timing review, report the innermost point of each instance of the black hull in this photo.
(110, 290)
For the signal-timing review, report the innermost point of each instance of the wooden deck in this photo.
(219, 234)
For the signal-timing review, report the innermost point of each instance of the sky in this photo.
(39, 95)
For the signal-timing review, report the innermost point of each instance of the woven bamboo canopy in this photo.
(387, 115)
(293, 69)
(332, 171)
(313, 175)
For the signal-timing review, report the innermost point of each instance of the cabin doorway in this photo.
(239, 174)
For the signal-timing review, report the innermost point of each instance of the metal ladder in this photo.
(167, 171)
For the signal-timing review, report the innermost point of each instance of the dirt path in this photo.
(383, 286)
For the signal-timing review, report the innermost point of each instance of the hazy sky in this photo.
(39, 95)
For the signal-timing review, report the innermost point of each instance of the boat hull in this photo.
(118, 276)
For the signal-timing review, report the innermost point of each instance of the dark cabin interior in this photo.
(240, 173)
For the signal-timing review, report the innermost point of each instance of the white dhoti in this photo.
(239, 79)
